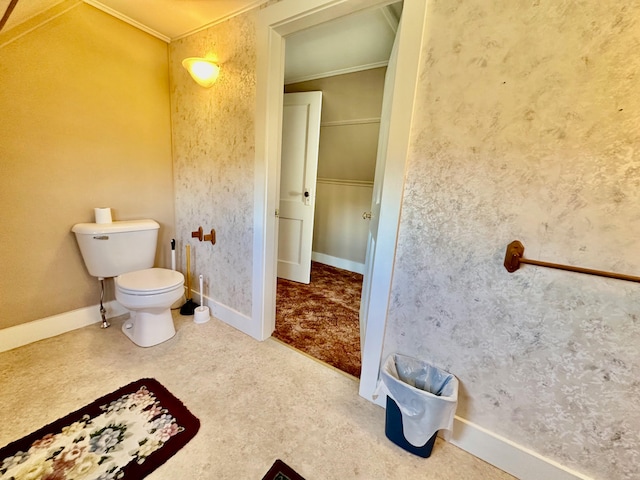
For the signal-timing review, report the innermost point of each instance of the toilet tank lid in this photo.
(115, 227)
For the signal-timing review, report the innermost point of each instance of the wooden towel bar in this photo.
(514, 257)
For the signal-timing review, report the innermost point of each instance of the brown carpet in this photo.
(321, 318)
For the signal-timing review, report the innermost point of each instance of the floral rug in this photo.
(124, 435)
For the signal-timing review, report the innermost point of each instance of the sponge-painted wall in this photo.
(526, 127)
(213, 158)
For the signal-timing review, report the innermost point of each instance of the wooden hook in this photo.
(199, 234)
(211, 237)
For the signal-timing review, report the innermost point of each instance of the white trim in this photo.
(235, 13)
(410, 42)
(269, 98)
(337, 262)
(228, 315)
(519, 461)
(391, 19)
(515, 459)
(129, 20)
(346, 183)
(333, 73)
(56, 11)
(25, 333)
(355, 121)
(225, 313)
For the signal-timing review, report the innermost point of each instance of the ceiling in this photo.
(169, 18)
(347, 44)
(355, 42)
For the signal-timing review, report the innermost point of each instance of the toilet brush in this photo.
(189, 307)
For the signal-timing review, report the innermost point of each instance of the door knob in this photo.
(366, 216)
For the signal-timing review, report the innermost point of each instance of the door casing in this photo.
(273, 24)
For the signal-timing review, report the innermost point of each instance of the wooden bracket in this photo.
(515, 251)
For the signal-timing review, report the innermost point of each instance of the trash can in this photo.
(421, 399)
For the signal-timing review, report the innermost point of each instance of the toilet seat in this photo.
(151, 281)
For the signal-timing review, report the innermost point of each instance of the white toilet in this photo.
(126, 251)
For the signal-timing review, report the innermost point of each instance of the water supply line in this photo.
(103, 311)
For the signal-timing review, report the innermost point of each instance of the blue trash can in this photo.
(421, 400)
(394, 432)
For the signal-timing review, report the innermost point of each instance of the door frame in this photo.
(272, 25)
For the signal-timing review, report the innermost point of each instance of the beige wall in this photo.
(351, 105)
(349, 134)
(85, 123)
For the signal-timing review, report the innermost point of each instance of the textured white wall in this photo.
(214, 154)
(527, 128)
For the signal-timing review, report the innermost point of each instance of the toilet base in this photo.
(147, 329)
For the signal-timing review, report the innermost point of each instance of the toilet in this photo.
(125, 250)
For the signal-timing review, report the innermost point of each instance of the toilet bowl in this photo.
(148, 294)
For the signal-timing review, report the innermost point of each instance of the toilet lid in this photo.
(149, 281)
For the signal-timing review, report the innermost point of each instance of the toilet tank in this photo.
(111, 249)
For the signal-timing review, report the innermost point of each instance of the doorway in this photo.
(273, 24)
(322, 317)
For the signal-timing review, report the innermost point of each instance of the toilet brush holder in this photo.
(201, 314)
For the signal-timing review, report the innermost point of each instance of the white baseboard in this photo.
(19, 335)
(501, 452)
(342, 263)
(230, 316)
(519, 461)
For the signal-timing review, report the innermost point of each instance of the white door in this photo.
(298, 172)
(376, 198)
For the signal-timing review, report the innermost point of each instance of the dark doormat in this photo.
(281, 471)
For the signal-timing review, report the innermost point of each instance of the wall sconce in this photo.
(203, 71)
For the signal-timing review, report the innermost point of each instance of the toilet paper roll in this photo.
(103, 215)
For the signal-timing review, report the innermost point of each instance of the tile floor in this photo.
(257, 401)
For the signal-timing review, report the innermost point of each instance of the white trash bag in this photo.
(426, 396)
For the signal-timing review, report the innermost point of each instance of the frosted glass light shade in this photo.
(203, 71)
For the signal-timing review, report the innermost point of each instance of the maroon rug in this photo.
(322, 318)
(126, 434)
(281, 471)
